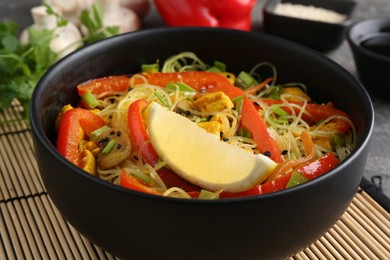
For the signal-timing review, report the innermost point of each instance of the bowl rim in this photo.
(355, 43)
(42, 138)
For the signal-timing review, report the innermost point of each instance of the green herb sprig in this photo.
(21, 66)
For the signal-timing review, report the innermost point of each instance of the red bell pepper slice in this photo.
(320, 166)
(311, 171)
(317, 113)
(105, 86)
(234, 14)
(278, 184)
(138, 134)
(68, 139)
(133, 183)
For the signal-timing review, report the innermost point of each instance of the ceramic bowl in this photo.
(134, 225)
(369, 40)
(308, 22)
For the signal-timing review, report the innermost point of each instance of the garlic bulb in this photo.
(116, 15)
(66, 38)
(71, 9)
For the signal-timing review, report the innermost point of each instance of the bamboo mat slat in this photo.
(32, 228)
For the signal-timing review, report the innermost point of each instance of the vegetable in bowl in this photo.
(193, 130)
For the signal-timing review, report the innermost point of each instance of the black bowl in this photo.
(369, 40)
(319, 35)
(134, 225)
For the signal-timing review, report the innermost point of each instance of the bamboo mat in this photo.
(32, 228)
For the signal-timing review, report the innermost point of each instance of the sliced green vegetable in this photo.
(208, 195)
(244, 133)
(238, 101)
(161, 98)
(297, 178)
(213, 69)
(180, 85)
(90, 99)
(337, 140)
(142, 176)
(279, 111)
(276, 91)
(220, 65)
(109, 146)
(244, 80)
(185, 87)
(94, 135)
(150, 68)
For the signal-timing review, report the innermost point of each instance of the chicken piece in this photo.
(119, 152)
(213, 126)
(324, 142)
(330, 126)
(295, 91)
(59, 116)
(213, 102)
(88, 162)
(92, 147)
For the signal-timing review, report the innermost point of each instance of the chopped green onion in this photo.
(208, 195)
(184, 87)
(180, 85)
(275, 93)
(96, 133)
(296, 179)
(142, 176)
(338, 140)
(90, 99)
(171, 87)
(220, 65)
(239, 101)
(245, 80)
(109, 146)
(200, 119)
(214, 69)
(150, 68)
(279, 111)
(161, 98)
(244, 133)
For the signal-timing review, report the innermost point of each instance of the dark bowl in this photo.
(133, 225)
(369, 40)
(321, 36)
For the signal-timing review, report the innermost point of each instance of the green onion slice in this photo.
(94, 135)
(208, 195)
(239, 101)
(90, 99)
(150, 68)
(161, 98)
(109, 146)
(245, 80)
(142, 176)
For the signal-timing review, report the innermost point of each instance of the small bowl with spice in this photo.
(369, 40)
(318, 24)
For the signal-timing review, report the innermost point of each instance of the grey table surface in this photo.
(378, 163)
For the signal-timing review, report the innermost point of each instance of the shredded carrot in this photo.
(260, 86)
(285, 167)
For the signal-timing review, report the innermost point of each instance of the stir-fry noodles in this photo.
(107, 134)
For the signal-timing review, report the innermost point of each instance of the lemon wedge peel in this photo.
(200, 157)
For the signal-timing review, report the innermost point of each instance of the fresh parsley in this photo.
(21, 66)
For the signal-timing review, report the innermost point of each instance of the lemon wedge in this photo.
(200, 157)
